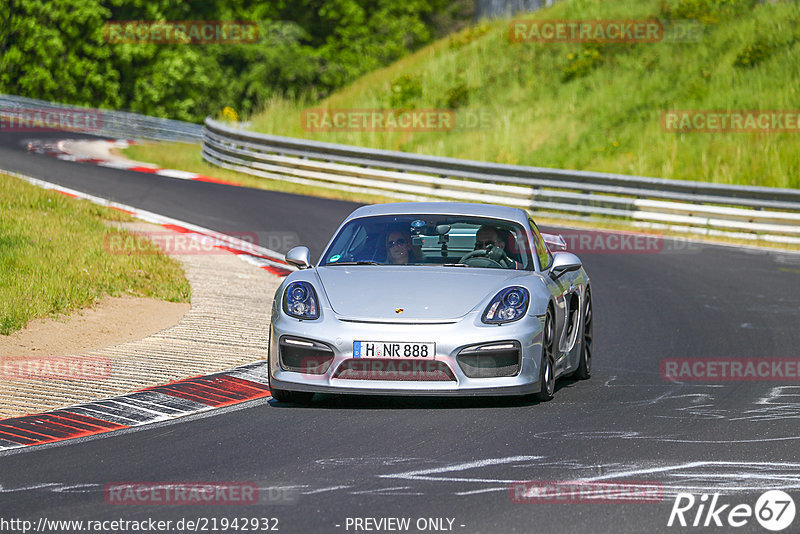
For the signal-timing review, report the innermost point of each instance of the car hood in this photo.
(425, 294)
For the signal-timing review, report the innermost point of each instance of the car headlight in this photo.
(507, 306)
(300, 301)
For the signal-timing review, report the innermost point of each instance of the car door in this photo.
(564, 292)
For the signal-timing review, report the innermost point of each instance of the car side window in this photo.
(542, 252)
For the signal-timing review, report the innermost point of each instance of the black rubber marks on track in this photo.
(149, 405)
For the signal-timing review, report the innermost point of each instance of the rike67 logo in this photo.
(774, 510)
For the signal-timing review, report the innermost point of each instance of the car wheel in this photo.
(547, 373)
(294, 397)
(584, 370)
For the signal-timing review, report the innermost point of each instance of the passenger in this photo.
(398, 248)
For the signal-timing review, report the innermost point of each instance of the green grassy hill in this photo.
(595, 106)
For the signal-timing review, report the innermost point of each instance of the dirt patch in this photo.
(113, 321)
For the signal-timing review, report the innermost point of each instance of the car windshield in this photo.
(444, 240)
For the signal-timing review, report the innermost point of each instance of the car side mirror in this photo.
(564, 262)
(300, 257)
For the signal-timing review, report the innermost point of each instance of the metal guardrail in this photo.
(505, 8)
(766, 213)
(111, 123)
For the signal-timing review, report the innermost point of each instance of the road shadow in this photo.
(405, 402)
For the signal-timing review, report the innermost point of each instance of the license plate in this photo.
(389, 349)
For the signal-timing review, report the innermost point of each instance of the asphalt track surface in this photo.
(376, 457)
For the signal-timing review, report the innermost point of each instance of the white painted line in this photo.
(117, 164)
(475, 492)
(173, 173)
(664, 469)
(324, 490)
(422, 474)
(386, 491)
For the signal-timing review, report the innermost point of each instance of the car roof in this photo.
(442, 208)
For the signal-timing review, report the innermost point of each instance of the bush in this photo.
(582, 63)
(706, 11)
(753, 54)
(457, 96)
(59, 51)
(467, 36)
(405, 90)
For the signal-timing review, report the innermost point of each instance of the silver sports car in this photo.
(438, 298)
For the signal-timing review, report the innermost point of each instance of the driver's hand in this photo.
(497, 254)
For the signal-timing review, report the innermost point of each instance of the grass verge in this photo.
(53, 257)
(592, 106)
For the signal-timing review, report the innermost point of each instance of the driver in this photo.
(488, 237)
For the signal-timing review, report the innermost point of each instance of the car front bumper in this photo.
(402, 376)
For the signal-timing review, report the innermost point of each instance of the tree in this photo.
(55, 51)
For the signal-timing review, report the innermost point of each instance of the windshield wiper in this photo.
(353, 263)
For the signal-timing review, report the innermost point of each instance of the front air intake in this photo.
(398, 369)
(492, 360)
(304, 355)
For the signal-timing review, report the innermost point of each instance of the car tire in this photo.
(294, 397)
(281, 395)
(547, 380)
(584, 370)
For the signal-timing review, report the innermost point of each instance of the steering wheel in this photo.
(493, 257)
